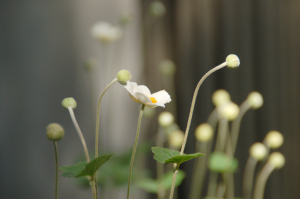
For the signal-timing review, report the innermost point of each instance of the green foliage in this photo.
(152, 186)
(166, 156)
(220, 163)
(73, 171)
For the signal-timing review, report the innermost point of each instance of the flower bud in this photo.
(123, 77)
(229, 111)
(55, 131)
(258, 151)
(232, 61)
(157, 9)
(204, 132)
(165, 119)
(220, 97)
(167, 67)
(69, 102)
(274, 139)
(176, 138)
(105, 32)
(255, 100)
(277, 160)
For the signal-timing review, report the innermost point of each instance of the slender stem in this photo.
(79, 133)
(212, 185)
(174, 181)
(222, 134)
(134, 148)
(56, 169)
(159, 166)
(261, 181)
(248, 177)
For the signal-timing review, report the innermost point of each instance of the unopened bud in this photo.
(274, 139)
(69, 102)
(176, 138)
(255, 100)
(229, 111)
(258, 151)
(167, 67)
(157, 9)
(204, 132)
(123, 77)
(220, 97)
(277, 160)
(55, 131)
(165, 119)
(232, 61)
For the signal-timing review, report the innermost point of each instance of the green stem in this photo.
(262, 180)
(212, 185)
(134, 148)
(192, 111)
(56, 169)
(174, 181)
(248, 177)
(159, 166)
(222, 135)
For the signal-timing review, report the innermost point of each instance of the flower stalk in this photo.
(56, 169)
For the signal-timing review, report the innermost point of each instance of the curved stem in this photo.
(56, 169)
(248, 177)
(134, 148)
(80, 134)
(262, 180)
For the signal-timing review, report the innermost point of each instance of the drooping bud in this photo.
(258, 151)
(232, 61)
(176, 138)
(255, 100)
(123, 76)
(69, 102)
(167, 67)
(165, 119)
(229, 111)
(55, 132)
(274, 139)
(157, 9)
(204, 132)
(220, 97)
(277, 160)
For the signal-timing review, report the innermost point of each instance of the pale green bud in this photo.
(258, 151)
(176, 138)
(55, 131)
(255, 100)
(277, 160)
(123, 77)
(232, 61)
(274, 139)
(204, 132)
(229, 111)
(220, 97)
(157, 9)
(165, 119)
(167, 67)
(69, 102)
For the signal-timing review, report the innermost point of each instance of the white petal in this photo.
(131, 87)
(162, 97)
(145, 90)
(155, 105)
(143, 98)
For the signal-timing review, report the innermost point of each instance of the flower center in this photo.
(153, 99)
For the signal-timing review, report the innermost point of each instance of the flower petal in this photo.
(155, 105)
(131, 87)
(162, 97)
(145, 90)
(143, 98)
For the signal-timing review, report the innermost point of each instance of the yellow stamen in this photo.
(153, 99)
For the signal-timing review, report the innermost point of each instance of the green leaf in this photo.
(148, 184)
(168, 178)
(166, 156)
(91, 168)
(73, 171)
(220, 162)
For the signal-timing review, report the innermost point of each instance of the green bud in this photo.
(157, 9)
(67, 102)
(167, 67)
(123, 77)
(232, 61)
(55, 131)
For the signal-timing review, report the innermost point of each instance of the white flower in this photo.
(141, 94)
(105, 32)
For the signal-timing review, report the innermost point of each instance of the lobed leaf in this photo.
(73, 171)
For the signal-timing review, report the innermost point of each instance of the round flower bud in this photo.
(149, 112)
(274, 139)
(258, 151)
(255, 100)
(55, 131)
(69, 102)
(229, 111)
(165, 119)
(277, 160)
(123, 77)
(176, 138)
(204, 132)
(167, 67)
(105, 32)
(157, 9)
(220, 97)
(232, 61)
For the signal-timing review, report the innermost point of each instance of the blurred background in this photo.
(45, 47)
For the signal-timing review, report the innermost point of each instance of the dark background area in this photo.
(40, 66)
